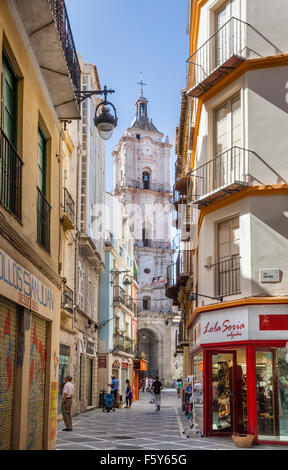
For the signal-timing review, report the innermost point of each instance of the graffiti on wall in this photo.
(6, 374)
(36, 389)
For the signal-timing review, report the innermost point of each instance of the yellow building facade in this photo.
(31, 140)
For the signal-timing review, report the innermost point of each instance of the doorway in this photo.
(227, 392)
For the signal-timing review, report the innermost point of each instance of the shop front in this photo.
(139, 372)
(240, 366)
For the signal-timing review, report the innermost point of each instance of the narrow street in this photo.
(139, 428)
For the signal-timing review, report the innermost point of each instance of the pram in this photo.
(109, 402)
(193, 427)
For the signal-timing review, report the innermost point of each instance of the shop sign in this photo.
(24, 288)
(124, 365)
(157, 280)
(224, 327)
(116, 364)
(269, 275)
(102, 362)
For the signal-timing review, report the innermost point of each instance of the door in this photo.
(89, 381)
(267, 394)
(227, 394)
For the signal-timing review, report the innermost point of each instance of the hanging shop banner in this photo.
(19, 285)
(157, 280)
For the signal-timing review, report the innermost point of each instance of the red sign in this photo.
(102, 362)
(273, 322)
(124, 365)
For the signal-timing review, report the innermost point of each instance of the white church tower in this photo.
(142, 181)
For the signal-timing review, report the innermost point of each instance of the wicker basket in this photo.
(243, 440)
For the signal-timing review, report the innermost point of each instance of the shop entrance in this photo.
(228, 392)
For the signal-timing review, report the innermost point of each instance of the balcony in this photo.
(108, 239)
(181, 185)
(10, 177)
(226, 174)
(123, 343)
(232, 44)
(67, 210)
(43, 221)
(47, 25)
(67, 299)
(227, 277)
(89, 250)
(178, 274)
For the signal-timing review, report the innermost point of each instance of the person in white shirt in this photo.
(68, 391)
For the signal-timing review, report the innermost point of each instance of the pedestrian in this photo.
(157, 387)
(66, 405)
(128, 394)
(114, 387)
(179, 387)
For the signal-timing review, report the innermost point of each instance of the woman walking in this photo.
(128, 394)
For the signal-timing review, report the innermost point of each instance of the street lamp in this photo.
(104, 121)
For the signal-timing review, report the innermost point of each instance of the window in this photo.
(43, 206)
(10, 162)
(145, 237)
(228, 126)
(228, 37)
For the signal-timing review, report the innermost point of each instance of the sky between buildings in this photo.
(124, 38)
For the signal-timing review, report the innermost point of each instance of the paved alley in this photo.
(139, 428)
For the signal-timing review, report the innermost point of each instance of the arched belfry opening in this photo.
(148, 343)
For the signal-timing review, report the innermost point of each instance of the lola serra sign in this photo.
(22, 287)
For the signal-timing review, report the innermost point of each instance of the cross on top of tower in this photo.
(142, 84)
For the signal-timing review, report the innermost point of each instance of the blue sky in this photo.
(124, 38)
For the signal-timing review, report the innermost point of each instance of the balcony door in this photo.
(227, 275)
(227, 167)
(227, 36)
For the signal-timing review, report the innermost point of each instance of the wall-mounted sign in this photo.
(24, 288)
(90, 349)
(124, 365)
(102, 362)
(269, 275)
(157, 280)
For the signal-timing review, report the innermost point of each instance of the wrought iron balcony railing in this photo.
(10, 176)
(227, 277)
(67, 299)
(43, 220)
(62, 22)
(226, 173)
(230, 45)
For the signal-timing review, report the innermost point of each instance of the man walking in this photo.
(68, 391)
(157, 387)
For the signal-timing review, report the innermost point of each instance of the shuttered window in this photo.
(37, 379)
(8, 324)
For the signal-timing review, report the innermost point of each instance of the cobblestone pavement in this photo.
(139, 428)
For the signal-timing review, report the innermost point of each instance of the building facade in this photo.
(118, 300)
(231, 186)
(142, 181)
(37, 93)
